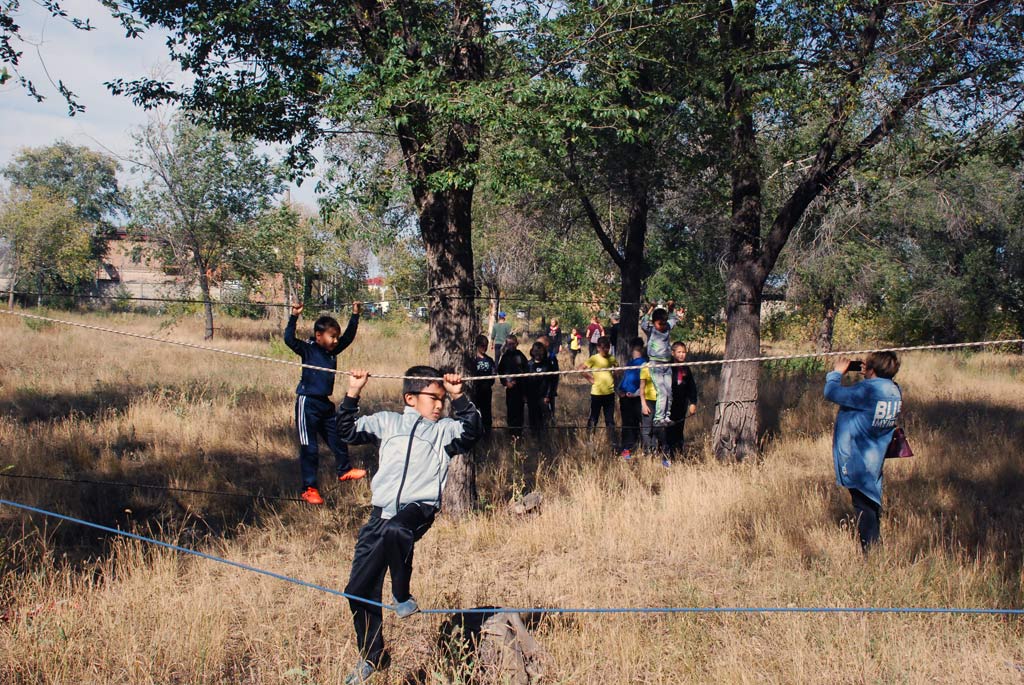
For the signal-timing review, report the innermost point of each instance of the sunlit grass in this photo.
(75, 608)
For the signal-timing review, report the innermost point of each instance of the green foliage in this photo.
(404, 266)
(201, 199)
(86, 177)
(49, 244)
(38, 326)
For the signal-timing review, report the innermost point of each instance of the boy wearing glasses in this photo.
(415, 448)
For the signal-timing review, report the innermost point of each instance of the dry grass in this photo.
(74, 608)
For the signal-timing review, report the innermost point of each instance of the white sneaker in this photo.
(362, 673)
(407, 608)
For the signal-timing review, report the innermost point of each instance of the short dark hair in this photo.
(633, 342)
(481, 341)
(635, 346)
(604, 340)
(538, 349)
(678, 343)
(423, 376)
(326, 323)
(659, 314)
(884, 364)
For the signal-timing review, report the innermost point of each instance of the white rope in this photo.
(710, 362)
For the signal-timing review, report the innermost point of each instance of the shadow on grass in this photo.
(27, 406)
(973, 497)
(969, 497)
(228, 488)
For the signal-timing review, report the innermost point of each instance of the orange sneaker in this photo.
(312, 495)
(352, 474)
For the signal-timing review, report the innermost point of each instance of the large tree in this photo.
(602, 104)
(296, 72)
(86, 178)
(48, 243)
(201, 199)
(833, 80)
(300, 72)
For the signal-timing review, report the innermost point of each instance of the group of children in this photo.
(531, 398)
(654, 398)
(416, 445)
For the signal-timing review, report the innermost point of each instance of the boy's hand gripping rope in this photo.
(566, 372)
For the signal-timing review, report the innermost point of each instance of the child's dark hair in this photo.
(885, 364)
(678, 343)
(326, 323)
(659, 314)
(637, 345)
(633, 342)
(481, 341)
(604, 340)
(424, 376)
(539, 350)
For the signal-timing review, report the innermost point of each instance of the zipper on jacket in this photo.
(405, 469)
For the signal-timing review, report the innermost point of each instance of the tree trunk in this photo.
(446, 226)
(204, 287)
(494, 306)
(631, 292)
(827, 326)
(734, 435)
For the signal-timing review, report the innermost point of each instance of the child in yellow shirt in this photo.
(602, 386)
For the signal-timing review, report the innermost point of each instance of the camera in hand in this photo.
(856, 366)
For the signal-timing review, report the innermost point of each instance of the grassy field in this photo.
(79, 606)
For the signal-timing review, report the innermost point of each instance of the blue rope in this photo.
(540, 610)
(186, 550)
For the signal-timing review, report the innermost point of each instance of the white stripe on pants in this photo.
(300, 419)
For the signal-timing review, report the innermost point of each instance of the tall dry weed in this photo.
(79, 606)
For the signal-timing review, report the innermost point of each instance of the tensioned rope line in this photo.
(216, 303)
(566, 372)
(538, 610)
(144, 486)
(417, 297)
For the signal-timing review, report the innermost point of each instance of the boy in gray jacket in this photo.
(415, 448)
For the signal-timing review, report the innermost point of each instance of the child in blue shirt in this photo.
(314, 411)
(868, 412)
(629, 398)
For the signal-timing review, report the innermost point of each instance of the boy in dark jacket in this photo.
(513, 361)
(483, 365)
(684, 400)
(314, 411)
(416, 448)
(553, 390)
(539, 390)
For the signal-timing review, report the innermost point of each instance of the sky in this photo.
(84, 60)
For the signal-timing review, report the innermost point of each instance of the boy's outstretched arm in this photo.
(466, 414)
(352, 428)
(349, 335)
(289, 331)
